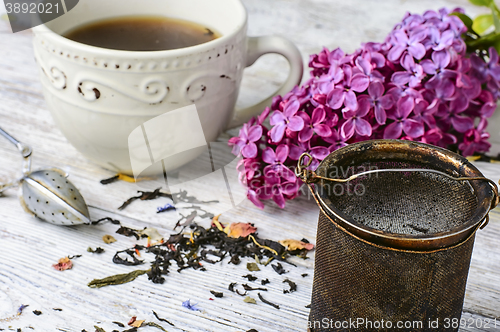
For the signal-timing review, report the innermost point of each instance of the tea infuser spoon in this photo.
(47, 193)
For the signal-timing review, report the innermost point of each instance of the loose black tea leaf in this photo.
(134, 329)
(308, 306)
(117, 259)
(252, 330)
(162, 319)
(97, 250)
(217, 294)
(113, 221)
(250, 277)
(252, 267)
(57, 309)
(304, 275)
(145, 196)
(249, 288)
(74, 256)
(127, 231)
(37, 312)
(264, 282)
(119, 324)
(116, 279)
(278, 268)
(293, 286)
(231, 286)
(154, 325)
(110, 180)
(267, 302)
(235, 259)
(240, 294)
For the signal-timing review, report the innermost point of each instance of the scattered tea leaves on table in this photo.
(248, 299)
(231, 286)
(193, 307)
(116, 279)
(154, 325)
(249, 288)
(304, 275)
(110, 180)
(117, 259)
(111, 220)
(264, 282)
(162, 319)
(250, 277)
(278, 268)
(37, 312)
(145, 196)
(217, 294)
(267, 302)
(129, 232)
(293, 286)
(99, 329)
(108, 239)
(97, 250)
(252, 267)
(63, 264)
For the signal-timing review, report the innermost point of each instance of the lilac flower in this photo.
(276, 162)
(343, 93)
(401, 122)
(475, 140)
(278, 190)
(439, 40)
(355, 123)
(286, 120)
(246, 141)
(314, 124)
(376, 100)
(419, 84)
(413, 74)
(412, 44)
(437, 68)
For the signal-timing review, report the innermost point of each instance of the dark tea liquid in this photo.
(142, 33)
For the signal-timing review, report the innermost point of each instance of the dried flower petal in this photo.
(237, 230)
(108, 239)
(63, 264)
(292, 245)
(248, 299)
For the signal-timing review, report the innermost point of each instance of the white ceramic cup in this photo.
(98, 96)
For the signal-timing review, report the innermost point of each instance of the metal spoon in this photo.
(47, 194)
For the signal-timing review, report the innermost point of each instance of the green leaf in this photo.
(466, 19)
(485, 42)
(116, 279)
(482, 23)
(496, 19)
(485, 3)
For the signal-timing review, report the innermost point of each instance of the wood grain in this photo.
(29, 247)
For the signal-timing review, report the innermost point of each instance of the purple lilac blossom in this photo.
(419, 84)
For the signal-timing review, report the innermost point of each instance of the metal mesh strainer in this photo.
(394, 243)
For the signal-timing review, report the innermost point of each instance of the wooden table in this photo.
(29, 247)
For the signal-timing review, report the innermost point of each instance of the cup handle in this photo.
(258, 46)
